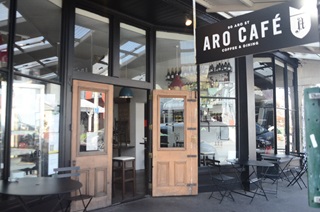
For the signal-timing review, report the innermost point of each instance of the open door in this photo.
(92, 124)
(175, 154)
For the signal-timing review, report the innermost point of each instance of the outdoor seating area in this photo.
(262, 177)
(283, 202)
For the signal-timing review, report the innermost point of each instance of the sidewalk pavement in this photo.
(291, 199)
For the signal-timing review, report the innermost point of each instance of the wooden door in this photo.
(175, 146)
(92, 124)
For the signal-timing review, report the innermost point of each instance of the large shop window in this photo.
(264, 106)
(175, 67)
(4, 8)
(91, 43)
(4, 5)
(3, 100)
(292, 111)
(275, 115)
(35, 128)
(35, 108)
(132, 53)
(37, 39)
(218, 111)
(280, 106)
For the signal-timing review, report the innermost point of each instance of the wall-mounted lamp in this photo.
(188, 21)
(126, 93)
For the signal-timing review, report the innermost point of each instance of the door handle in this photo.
(145, 141)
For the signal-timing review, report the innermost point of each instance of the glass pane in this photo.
(292, 132)
(35, 128)
(281, 106)
(3, 100)
(92, 117)
(218, 142)
(37, 39)
(4, 13)
(91, 43)
(281, 130)
(218, 79)
(264, 111)
(172, 122)
(175, 59)
(291, 97)
(291, 104)
(217, 131)
(221, 111)
(132, 52)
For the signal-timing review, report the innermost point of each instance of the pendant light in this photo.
(125, 93)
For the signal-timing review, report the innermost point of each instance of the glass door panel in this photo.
(92, 117)
(172, 122)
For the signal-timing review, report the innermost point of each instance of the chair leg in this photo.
(68, 206)
(86, 206)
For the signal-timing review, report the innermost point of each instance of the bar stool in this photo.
(124, 173)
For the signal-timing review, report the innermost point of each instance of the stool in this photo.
(122, 173)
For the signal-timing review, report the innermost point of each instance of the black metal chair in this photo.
(73, 172)
(271, 175)
(223, 180)
(298, 171)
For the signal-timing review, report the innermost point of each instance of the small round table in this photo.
(39, 186)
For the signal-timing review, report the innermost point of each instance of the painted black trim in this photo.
(199, 113)
(297, 111)
(114, 46)
(242, 113)
(66, 66)
(7, 129)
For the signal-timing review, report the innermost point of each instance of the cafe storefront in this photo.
(62, 101)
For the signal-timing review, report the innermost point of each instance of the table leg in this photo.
(23, 204)
(27, 209)
(60, 198)
(284, 170)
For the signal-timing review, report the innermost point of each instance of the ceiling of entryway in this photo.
(172, 13)
(214, 6)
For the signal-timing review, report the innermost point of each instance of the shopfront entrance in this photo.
(91, 145)
(175, 144)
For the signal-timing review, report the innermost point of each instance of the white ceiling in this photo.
(214, 6)
(233, 8)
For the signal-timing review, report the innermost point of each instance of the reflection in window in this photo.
(175, 59)
(36, 51)
(91, 43)
(4, 13)
(280, 105)
(35, 128)
(292, 110)
(217, 111)
(92, 116)
(172, 122)
(132, 52)
(264, 107)
(3, 100)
